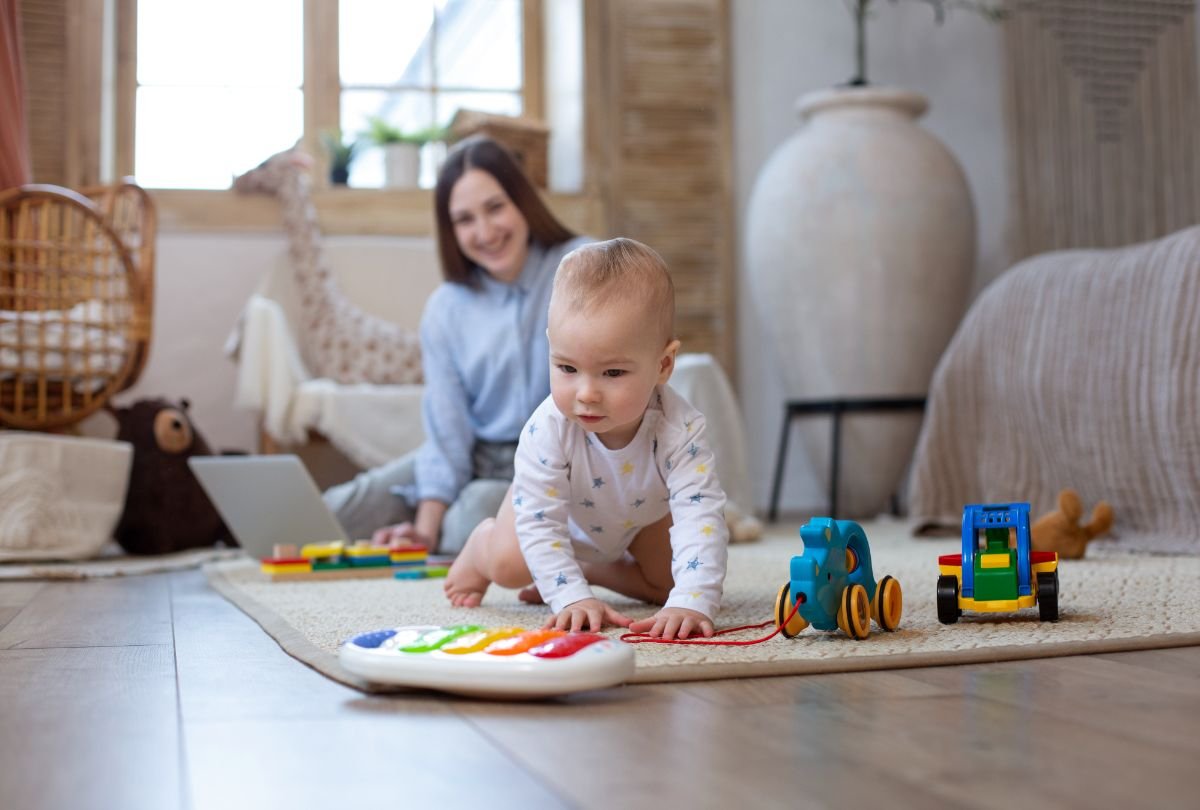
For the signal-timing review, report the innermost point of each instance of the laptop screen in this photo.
(266, 500)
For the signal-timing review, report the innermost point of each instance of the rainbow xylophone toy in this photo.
(493, 662)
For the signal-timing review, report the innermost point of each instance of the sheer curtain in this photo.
(14, 135)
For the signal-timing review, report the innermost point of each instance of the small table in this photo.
(834, 407)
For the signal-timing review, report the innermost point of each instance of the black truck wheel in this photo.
(947, 599)
(1047, 596)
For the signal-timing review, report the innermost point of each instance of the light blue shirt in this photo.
(487, 368)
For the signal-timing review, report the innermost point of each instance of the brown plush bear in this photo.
(1060, 531)
(165, 508)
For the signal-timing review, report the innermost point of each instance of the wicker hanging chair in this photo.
(76, 298)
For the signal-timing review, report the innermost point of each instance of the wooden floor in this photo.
(154, 692)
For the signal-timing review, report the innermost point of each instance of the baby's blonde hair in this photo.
(619, 271)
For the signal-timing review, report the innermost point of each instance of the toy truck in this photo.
(994, 574)
(834, 585)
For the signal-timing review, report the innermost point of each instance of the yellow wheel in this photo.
(854, 613)
(783, 606)
(851, 560)
(888, 604)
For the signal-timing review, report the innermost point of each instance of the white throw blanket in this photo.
(370, 424)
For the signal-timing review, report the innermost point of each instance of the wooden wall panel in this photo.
(1104, 121)
(62, 41)
(44, 38)
(660, 149)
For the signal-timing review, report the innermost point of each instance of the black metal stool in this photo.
(835, 407)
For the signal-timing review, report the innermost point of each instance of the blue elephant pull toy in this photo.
(834, 584)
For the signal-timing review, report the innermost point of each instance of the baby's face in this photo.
(604, 365)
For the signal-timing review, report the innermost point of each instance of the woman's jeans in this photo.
(386, 495)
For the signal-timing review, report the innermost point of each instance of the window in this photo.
(213, 99)
(414, 64)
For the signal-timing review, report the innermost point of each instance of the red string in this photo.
(643, 638)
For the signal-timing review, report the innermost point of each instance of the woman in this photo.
(484, 351)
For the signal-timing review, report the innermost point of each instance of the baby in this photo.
(615, 484)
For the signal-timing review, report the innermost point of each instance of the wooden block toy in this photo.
(323, 551)
(364, 553)
(337, 560)
(279, 566)
(422, 572)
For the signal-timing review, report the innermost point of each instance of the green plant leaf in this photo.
(341, 153)
(381, 133)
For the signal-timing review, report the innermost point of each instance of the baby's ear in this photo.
(667, 361)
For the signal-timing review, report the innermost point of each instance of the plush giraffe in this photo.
(337, 339)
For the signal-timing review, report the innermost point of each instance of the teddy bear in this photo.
(165, 508)
(1061, 531)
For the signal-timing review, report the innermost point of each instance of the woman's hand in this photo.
(400, 536)
(672, 623)
(423, 531)
(584, 614)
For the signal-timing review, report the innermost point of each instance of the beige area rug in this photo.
(1110, 601)
(113, 563)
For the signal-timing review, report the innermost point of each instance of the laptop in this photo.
(266, 500)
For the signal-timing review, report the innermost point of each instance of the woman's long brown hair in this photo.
(486, 154)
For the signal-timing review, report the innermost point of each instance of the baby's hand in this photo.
(671, 623)
(586, 613)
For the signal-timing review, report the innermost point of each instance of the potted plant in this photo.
(341, 155)
(401, 150)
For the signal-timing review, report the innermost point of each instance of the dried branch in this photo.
(994, 10)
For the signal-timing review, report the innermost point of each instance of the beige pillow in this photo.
(60, 496)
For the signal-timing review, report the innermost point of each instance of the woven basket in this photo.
(76, 296)
(526, 138)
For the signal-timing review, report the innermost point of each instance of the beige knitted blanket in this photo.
(1075, 369)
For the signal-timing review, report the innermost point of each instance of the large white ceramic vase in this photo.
(860, 249)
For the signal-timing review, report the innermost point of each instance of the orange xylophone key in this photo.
(523, 642)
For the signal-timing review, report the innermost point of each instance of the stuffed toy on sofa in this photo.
(1063, 530)
(165, 508)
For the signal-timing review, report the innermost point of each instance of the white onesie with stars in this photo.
(575, 499)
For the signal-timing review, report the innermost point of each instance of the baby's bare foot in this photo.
(531, 595)
(464, 585)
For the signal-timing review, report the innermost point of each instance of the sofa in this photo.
(1079, 369)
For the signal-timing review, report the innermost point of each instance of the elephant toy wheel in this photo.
(889, 604)
(854, 614)
(783, 606)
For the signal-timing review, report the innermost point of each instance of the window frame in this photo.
(342, 210)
